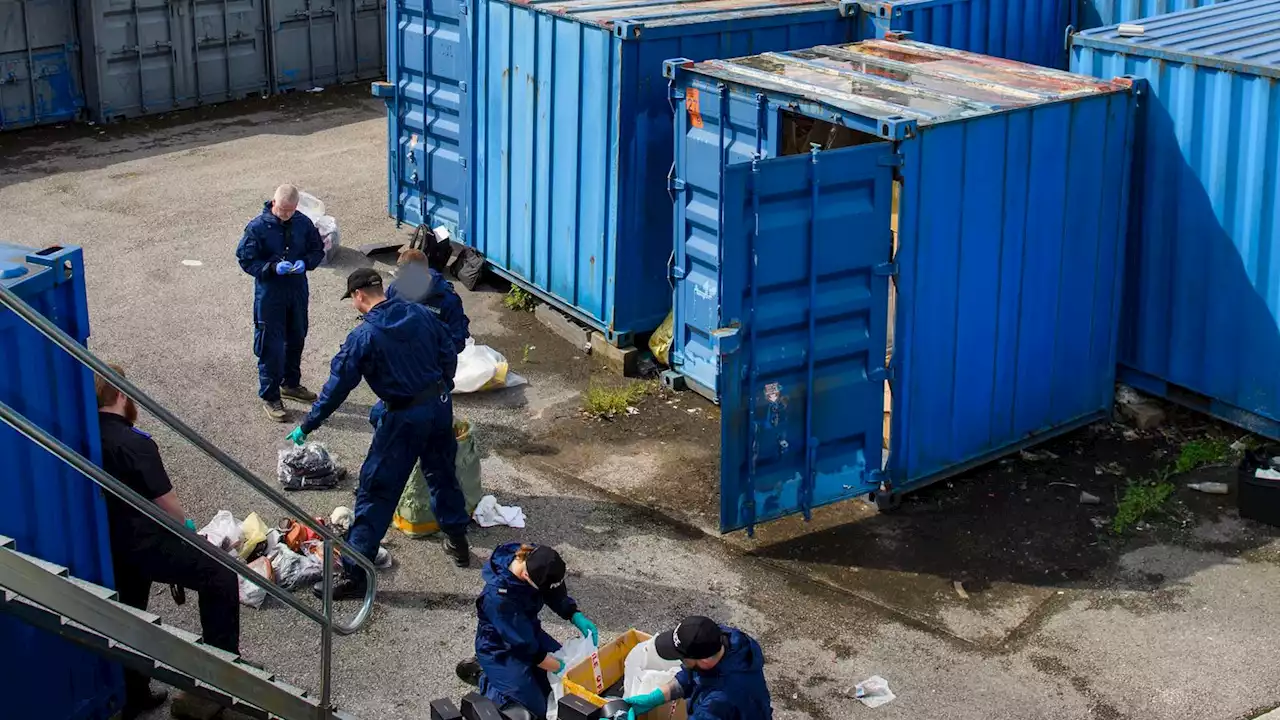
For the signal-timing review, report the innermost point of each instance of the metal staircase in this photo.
(45, 595)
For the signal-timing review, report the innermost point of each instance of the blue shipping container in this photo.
(1033, 31)
(1201, 319)
(540, 133)
(39, 63)
(1012, 185)
(1092, 14)
(50, 509)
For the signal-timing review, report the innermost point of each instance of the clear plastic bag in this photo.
(572, 653)
(480, 368)
(294, 570)
(645, 671)
(314, 208)
(224, 531)
(309, 467)
(250, 593)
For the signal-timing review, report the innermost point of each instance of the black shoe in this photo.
(469, 672)
(344, 588)
(135, 706)
(456, 547)
(300, 393)
(275, 410)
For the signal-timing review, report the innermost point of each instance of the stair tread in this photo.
(143, 615)
(51, 568)
(103, 593)
(187, 635)
(7, 542)
(290, 688)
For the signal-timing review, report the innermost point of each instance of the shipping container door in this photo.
(431, 60)
(39, 63)
(134, 67)
(804, 309)
(305, 43)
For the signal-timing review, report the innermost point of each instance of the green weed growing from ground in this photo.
(519, 299)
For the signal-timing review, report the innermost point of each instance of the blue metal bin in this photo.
(540, 133)
(1201, 312)
(1011, 185)
(51, 510)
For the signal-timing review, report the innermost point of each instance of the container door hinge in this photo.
(891, 160)
(677, 357)
(880, 374)
(889, 269)
(462, 86)
(462, 9)
(462, 163)
(677, 185)
(678, 273)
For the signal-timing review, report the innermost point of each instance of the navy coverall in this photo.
(406, 356)
(735, 688)
(510, 641)
(421, 284)
(279, 301)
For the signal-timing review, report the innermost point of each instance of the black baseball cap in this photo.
(361, 279)
(546, 569)
(695, 638)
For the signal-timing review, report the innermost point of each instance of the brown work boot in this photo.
(300, 393)
(275, 410)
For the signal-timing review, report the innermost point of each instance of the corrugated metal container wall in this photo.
(573, 139)
(51, 510)
(1092, 14)
(315, 43)
(1201, 320)
(1010, 232)
(153, 56)
(1033, 31)
(39, 63)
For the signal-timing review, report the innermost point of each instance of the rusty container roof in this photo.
(914, 81)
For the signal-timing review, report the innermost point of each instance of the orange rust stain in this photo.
(692, 104)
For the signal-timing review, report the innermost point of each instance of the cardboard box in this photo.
(591, 676)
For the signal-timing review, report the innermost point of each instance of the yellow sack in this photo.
(660, 341)
(255, 532)
(413, 515)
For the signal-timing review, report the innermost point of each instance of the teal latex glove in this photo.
(559, 670)
(190, 524)
(641, 704)
(297, 436)
(586, 627)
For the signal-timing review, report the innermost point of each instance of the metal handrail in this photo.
(325, 619)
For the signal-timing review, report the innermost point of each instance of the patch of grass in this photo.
(1198, 453)
(524, 353)
(606, 402)
(1141, 500)
(520, 300)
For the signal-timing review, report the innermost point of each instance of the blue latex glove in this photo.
(297, 436)
(586, 627)
(284, 267)
(641, 704)
(299, 266)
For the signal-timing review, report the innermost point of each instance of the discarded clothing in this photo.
(309, 467)
(489, 514)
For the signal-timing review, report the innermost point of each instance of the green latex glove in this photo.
(641, 704)
(297, 436)
(190, 524)
(586, 627)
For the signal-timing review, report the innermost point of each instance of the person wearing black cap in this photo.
(513, 652)
(408, 359)
(722, 677)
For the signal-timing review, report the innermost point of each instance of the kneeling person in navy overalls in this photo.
(408, 359)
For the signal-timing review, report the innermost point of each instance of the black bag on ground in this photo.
(1257, 487)
(468, 267)
(438, 251)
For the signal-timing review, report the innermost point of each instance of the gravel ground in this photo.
(143, 197)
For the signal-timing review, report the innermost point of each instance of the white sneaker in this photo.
(383, 561)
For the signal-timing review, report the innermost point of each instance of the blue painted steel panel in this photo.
(573, 140)
(1100, 13)
(51, 510)
(1011, 225)
(39, 63)
(1201, 317)
(1032, 31)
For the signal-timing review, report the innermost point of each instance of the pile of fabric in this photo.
(308, 467)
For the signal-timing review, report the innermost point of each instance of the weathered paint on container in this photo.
(39, 63)
(1201, 319)
(51, 510)
(1092, 14)
(1011, 227)
(549, 145)
(1031, 31)
(153, 56)
(317, 43)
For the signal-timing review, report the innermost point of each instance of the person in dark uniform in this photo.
(417, 281)
(407, 357)
(278, 248)
(144, 552)
(722, 673)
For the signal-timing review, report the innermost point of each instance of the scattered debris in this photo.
(1240, 445)
(1111, 468)
(1130, 434)
(316, 90)
(1032, 456)
(1210, 488)
(1063, 483)
(633, 410)
(873, 692)
(959, 586)
(1098, 522)
(340, 519)
(1088, 498)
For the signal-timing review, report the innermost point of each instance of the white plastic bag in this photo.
(572, 653)
(250, 593)
(314, 208)
(480, 367)
(224, 531)
(873, 692)
(646, 671)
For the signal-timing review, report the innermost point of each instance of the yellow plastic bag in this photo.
(255, 533)
(660, 341)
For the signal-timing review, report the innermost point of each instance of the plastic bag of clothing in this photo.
(255, 534)
(468, 267)
(481, 368)
(326, 224)
(308, 467)
(645, 671)
(572, 653)
(660, 340)
(224, 531)
(413, 515)
(250, 593)
(294, 570)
